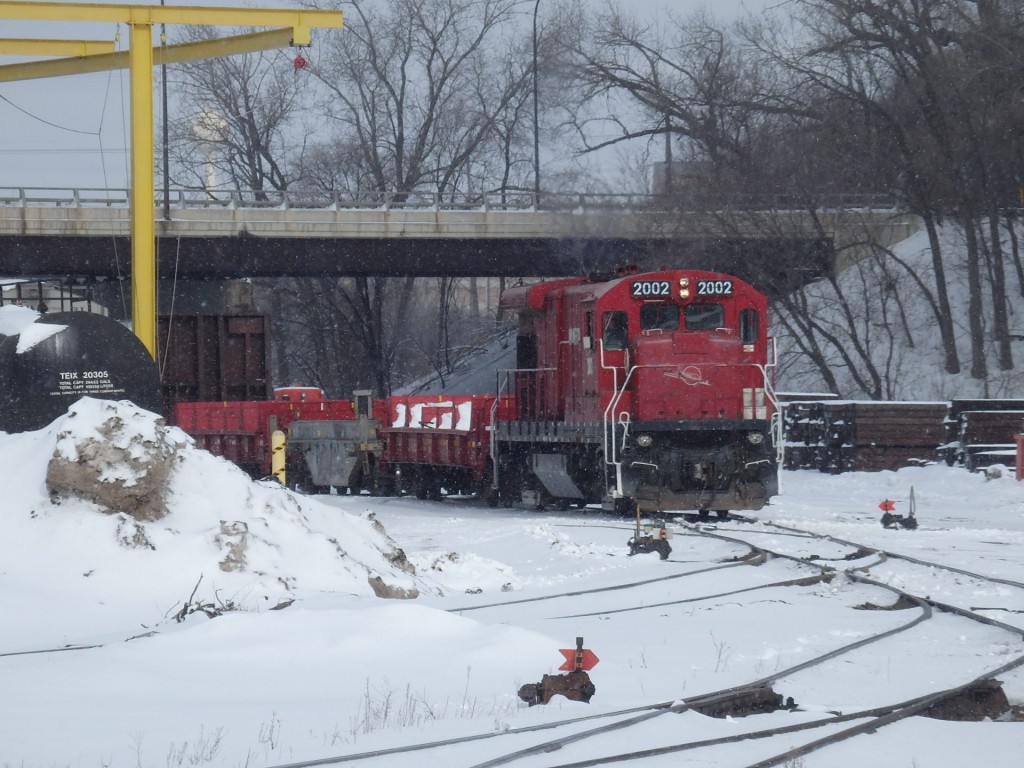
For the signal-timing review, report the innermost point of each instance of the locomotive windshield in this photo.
(704, 317)
(662, 317)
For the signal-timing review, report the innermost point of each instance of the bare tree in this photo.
(348, 333)
(239, 120)
(943, 73)
(420, 98)
(420, 87)
(852, 111)
(684, 78)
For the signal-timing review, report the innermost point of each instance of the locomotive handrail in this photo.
(776, 421)
(494, 424)
(610, 412)
(609, 458)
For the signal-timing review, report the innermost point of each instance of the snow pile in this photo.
(109, 506)
(212, 670)
(116, 456)
(15, 319)
(35, 333)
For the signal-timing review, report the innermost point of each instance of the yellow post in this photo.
(277, 456)
(143, 188)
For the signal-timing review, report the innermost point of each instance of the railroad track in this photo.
(809, 560)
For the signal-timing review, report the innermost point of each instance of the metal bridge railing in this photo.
(492, 201)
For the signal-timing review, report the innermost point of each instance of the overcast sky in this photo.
(70, 131)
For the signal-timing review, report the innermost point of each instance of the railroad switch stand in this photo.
(575, 685)
(891, 520)
(653, 538)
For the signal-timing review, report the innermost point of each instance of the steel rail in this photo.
(639, 714)
(908, 558)
(882, 716)
(598, 590)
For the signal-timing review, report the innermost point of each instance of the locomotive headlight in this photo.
(684, 287)
(755, 438)
(644, 441)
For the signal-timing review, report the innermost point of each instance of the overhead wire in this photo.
(98, 133)
(44, 120)
(103, 164)
(177, 250)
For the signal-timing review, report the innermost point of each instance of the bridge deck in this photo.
(86, 232)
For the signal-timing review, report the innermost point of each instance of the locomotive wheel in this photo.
(510, 481)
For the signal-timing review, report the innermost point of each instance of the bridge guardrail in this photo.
(183, 198)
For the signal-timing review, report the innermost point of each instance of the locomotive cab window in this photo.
(750, 326)
(662, 317)
(704, 317)
(616, 330)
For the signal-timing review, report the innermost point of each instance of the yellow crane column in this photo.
(143, 185)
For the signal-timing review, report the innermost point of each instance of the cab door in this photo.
(572, 361)
(590, 402)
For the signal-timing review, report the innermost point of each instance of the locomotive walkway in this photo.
(235, 234)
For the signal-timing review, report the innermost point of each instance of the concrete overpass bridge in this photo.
(85, 232)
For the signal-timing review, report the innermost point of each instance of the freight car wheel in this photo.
(428, 484)
(487, 491)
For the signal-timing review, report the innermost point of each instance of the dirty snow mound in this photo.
(126, 508)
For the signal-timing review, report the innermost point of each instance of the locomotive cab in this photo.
(700, 432)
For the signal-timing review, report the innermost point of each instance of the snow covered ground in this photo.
(97, 670)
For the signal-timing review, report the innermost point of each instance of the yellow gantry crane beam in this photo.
(158, 14)
(169, 54)
(291, 27)
(54, 47)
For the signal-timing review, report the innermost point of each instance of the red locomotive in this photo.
(652, 387)
(644, 390)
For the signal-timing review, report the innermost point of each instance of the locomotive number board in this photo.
(657, 289)
(652, 289)
(714, 287)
